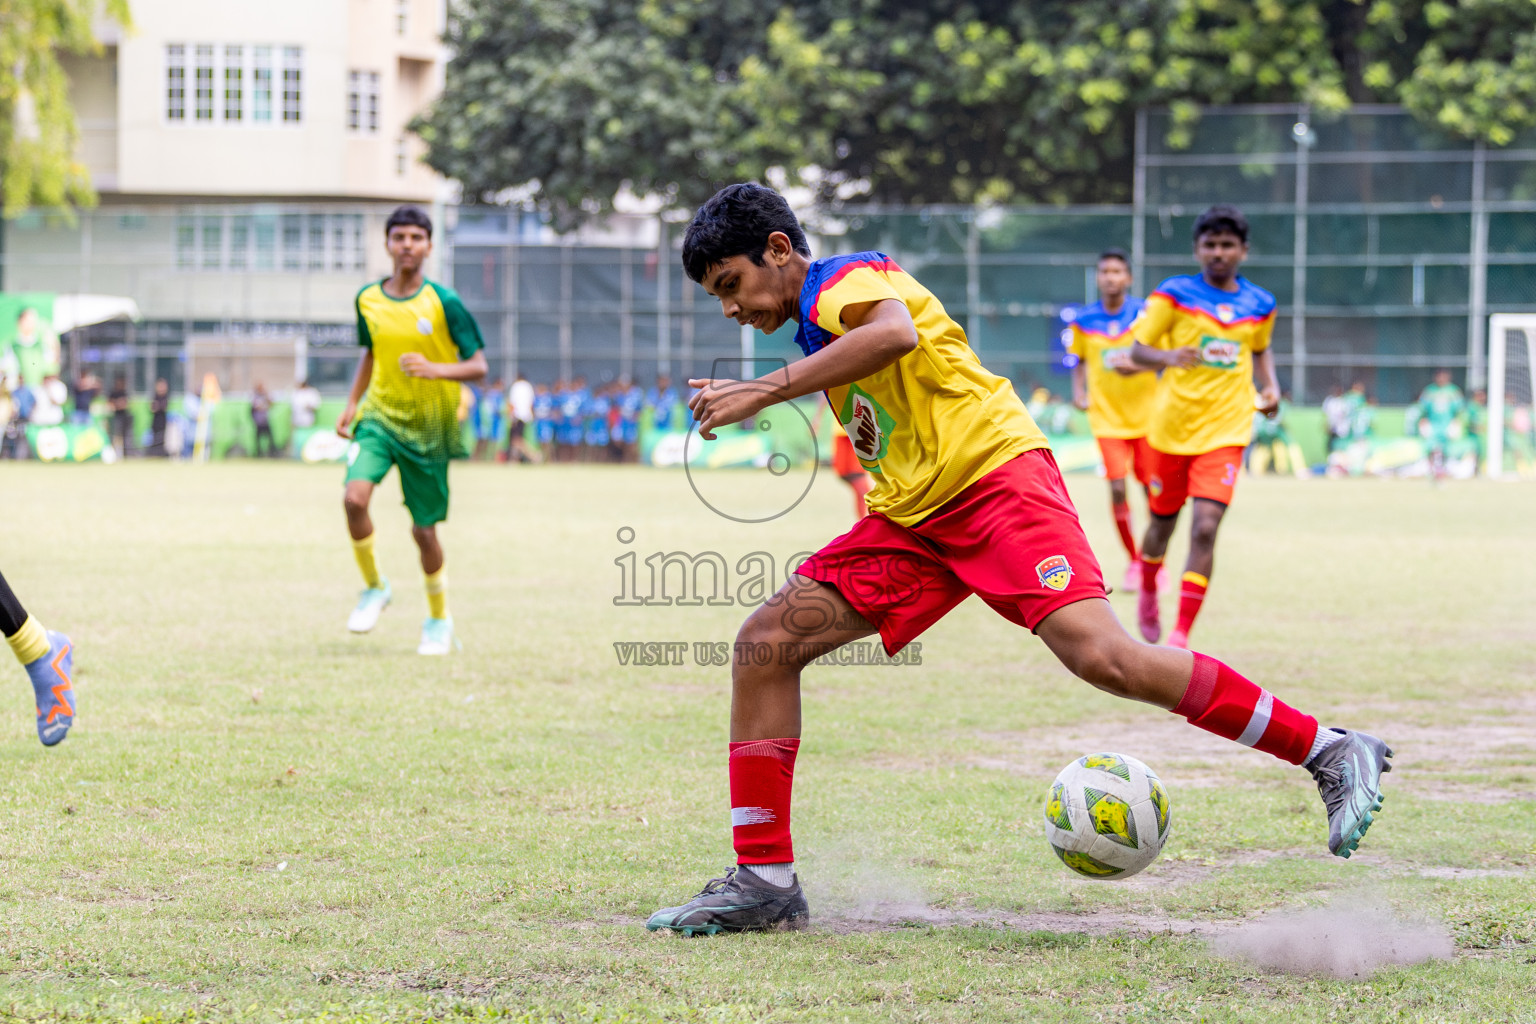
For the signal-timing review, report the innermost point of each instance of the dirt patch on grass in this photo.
(885, 917)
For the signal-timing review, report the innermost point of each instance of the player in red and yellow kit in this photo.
(1209, 334)
(967, 500)
(1116, 393)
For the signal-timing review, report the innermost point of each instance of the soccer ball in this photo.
(1107, 816)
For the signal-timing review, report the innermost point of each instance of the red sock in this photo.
(1221, 701)
(1191, 597)
(1123, 522)
(762, 778)
(1149, 570)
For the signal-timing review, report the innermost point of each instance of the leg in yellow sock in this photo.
(437, 593)
(362, 550)
(30, 642)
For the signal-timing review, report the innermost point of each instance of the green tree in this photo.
(37, 123)
(958, 101)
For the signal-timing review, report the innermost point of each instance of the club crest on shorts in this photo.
(1054, 572)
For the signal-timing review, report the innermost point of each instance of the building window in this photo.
(266, 241)
(371, 106)
(176, 82)
(363, 102)
(202, 82)
(293, 241)
(234, 83)
(316, 242)
(354, 101)
(293, 85)
(186, 242)
(212, 242)
(402, 17)
(401, 156)
(239, 242)
(261, 84)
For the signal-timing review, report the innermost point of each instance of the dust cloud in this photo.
(1351, 938)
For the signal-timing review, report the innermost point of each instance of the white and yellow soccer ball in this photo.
(1107, 816)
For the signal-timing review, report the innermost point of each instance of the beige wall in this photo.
(317, 158)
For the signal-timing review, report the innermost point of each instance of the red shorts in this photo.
(1122, 453)
(844, 462)
(1012, 537)
(1211, 475)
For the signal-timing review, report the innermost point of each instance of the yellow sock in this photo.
(30, 641)
(437, 593)
(363, 551)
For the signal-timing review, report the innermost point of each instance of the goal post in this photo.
(1511, 357)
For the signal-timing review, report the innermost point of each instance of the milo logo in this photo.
(1118, 359)
(1219, 352)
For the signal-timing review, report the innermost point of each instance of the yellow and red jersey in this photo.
(1119, 405)
(933, 422)
(1209, 405)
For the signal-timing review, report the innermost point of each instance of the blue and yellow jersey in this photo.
(1118, 405)
(933, 422)
(421, 414)
(1209, 405)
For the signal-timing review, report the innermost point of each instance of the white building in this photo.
(245, 155)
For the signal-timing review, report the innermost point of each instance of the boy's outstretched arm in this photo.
(465, 371)
(880, 333)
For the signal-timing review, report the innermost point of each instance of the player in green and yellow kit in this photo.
(1442, 419)
(419, 344)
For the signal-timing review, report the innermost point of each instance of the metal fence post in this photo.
(973, 282)
(566, 301)
(1139, 203)
(1302, 133)
(509, 341)
(1477, 303)
(663, 302)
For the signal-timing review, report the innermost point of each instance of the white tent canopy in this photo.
(71, 311)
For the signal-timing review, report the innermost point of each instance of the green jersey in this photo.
(421, 414)
(1442, 406)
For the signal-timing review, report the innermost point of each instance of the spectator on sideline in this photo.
(159, 410)
(1336, 416)
(488, 405)
(304, 406)
(519, 414)
(87, 388)
(261, 415)
(122, 419)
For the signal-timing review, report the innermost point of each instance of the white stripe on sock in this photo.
(775, 874)
(751, 816)
(1260, 720)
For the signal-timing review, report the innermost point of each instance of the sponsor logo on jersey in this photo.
(1054, 572)
(1219, 352)
(424, 325)
(868, 426)
(1118, 358)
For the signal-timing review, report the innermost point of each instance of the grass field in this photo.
(259, 816)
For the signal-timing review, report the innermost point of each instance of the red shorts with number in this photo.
(1012, 537)
(844, 462)
(1121, 454)
(1175, 478)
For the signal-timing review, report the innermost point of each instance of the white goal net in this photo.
(1511, 415)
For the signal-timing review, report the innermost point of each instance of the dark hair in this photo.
(737, 221)
(1116, 253)
(408, 217)
(1222, 219)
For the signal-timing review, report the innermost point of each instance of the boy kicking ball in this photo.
(967, 500)
(420, 344)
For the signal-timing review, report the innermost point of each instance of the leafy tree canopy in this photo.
(37, 123)
(978, 100)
